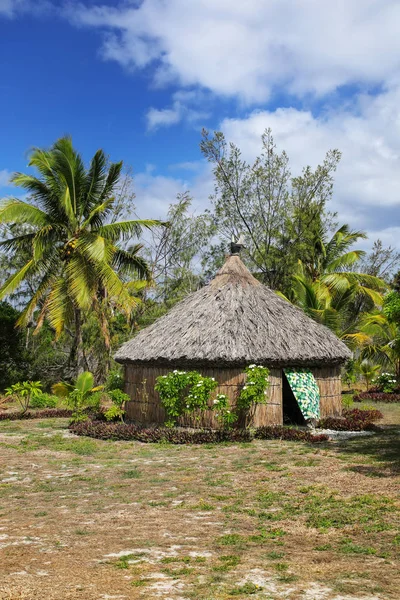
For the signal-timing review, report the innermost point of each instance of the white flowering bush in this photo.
(386, 382)
(223, 412)
(255, 390)
(184, 392)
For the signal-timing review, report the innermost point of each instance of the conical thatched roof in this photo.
(234, 320)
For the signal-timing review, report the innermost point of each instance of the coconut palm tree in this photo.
(73, 247)
(378, 339)
(334, 255)
(327, 290)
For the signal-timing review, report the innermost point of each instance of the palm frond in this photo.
(113, 176)
(15, 280)
(130, 263)
(13, 210)
(59, 306)
(344, 261)
(127, 229)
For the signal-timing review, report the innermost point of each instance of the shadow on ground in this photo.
(381, 450)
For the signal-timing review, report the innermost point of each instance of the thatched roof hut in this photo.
(228, 324)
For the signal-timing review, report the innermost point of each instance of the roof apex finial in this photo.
(236, 246)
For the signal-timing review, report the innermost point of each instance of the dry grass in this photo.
(95, 520)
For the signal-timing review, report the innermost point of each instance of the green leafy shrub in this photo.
(116, 411)
(184, 392)
(386, 383)
(115, 380)
(253, 392)
(80, 395)
(223, 413)
(24, 392)
(43, 400)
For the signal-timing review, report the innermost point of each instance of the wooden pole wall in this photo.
(145, 406)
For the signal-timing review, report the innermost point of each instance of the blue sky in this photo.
(140, 79)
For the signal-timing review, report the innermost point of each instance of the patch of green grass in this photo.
(42, 513)
(133, 473)
(281, 567)
(227, 563)
(323, 547)
(247, 589)
(275, 555)
(347, 546)
(123, 561)
(59, 443)
(267, 534)
(230, 539)
(268, 499)
(330, 510)
(140, 582)
(175, 573)
(82, 532)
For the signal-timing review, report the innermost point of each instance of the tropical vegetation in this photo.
(78, 275)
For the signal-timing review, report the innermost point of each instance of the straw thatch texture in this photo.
(145, 406)
(234, 321)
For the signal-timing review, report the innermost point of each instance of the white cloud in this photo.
(5, 178)
(163, 117)
(367, 182)
(11, 8)
(246, 49)
(179, 110)
(8, 7)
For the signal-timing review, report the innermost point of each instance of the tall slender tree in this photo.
(75, 257)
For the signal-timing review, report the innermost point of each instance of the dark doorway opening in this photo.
(292, 414)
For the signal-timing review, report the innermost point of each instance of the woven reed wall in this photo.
(140, 382)
(145, 406)
(330, 388)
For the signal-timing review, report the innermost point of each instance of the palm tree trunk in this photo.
(77, 359)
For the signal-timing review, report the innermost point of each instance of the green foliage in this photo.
(24, 392)
(174, 251)
(368, 370)
(118, 398)
(79, 395)
(13, 356)
(255, 389)
(223, 413)
(114, 413)
(73, 259)
(279, 215)
(184, 392)
(391, 306)
(386, 382)
(349, 376)
(115, 380)
(43, 400)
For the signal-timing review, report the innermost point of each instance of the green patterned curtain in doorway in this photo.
(305, 390)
